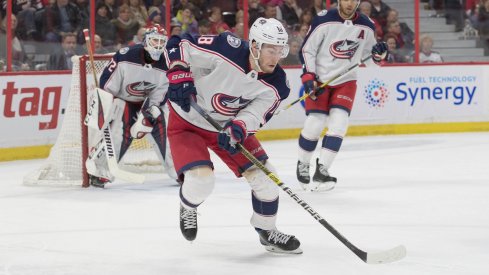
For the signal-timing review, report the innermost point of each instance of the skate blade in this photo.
(274, 249)
(324, 186)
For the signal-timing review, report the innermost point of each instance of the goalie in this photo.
(131, 102)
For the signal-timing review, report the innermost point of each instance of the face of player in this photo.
(269, 57)
(348, 8)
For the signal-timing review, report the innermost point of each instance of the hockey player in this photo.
(136, 77)
(337, 39)
(240, 85)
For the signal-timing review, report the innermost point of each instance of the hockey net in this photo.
(66, 162)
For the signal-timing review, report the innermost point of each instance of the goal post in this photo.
(65, 165)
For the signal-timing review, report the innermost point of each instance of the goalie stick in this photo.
(386, 256)
(306, 95)
(107, 136)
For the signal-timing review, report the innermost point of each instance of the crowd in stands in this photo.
(53, 28)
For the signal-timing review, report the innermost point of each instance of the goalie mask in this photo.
(268, 31)
(155, 41)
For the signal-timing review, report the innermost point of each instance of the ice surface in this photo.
(427, 192)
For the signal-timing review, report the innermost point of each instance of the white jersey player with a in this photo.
(136, 77)
(240, 85)
(337, 39)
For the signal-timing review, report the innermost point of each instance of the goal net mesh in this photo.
(65, 164)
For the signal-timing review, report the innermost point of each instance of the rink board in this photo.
(389, 100)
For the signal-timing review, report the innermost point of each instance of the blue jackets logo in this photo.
(457, 90)
(376, 93)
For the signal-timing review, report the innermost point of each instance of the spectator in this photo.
(138, 38)
(255, 10)
(238, 29)
(366, 8)
(405, 41)
(304, 28)
(62, 17)
(19, 58)
(187, 20)
(379, 11)
(239, 17)
(454, 14)
(25, 11)
(393, 16)
(290, 12)
(217, 25)
(483, 22)
(316, 8)
(113, 12)
(293, 56)
(178, 5)
(154, 18)
(393, 55)
(426, 53)
(306, 17)
(139, 12)
(60, 59)
(103, 25)
(204, 27)
(270, 11)
(175, 28)
(83, 6)
(99, 48)
(125, 26)
(160, 5)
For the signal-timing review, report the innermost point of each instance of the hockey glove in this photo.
(145, 121)
(309, 81)
(181, 88)
(379, 52)
(233, 132)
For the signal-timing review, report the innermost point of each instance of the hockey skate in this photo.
(188, 223)
(278, 242)
(321, 179)
(303, 174)
(98, 181)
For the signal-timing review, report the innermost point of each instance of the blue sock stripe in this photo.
(264, 208)
(307, 145)
(332, 143)
(185, 201)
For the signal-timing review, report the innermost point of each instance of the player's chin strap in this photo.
(256, 59)
(386, 256)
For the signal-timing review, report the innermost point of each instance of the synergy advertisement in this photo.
(32, 107)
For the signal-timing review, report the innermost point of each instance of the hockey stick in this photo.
(107, 138)
(387, 256)
(306, 95)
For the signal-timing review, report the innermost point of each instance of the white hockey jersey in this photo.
(333, 44)
(226, 86)
(128, 77)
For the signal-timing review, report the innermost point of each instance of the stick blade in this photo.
(122, 174)
(388, 256)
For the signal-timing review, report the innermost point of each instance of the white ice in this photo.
(427, 192)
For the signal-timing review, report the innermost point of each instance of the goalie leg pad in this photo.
(197, 186)
(265, 195)
(99, 112)
(96, 163)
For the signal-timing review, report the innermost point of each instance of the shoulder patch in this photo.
(124, 50)
(323, 12)
(233, 41)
